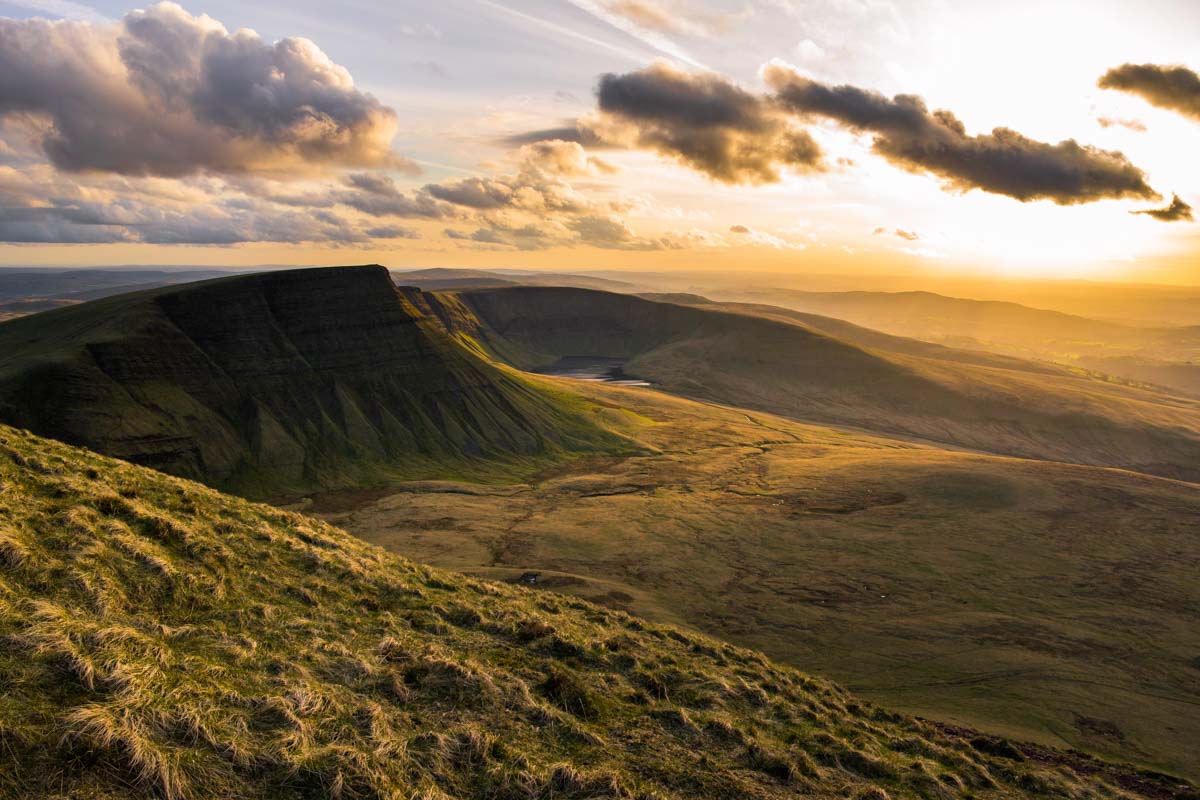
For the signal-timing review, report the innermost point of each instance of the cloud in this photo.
(574, 130)
(704, 121)
(907, 236)
(673, 17)
(644, 14)
(748, 235)
(392, 232)
(1003, 162)
(61, 8)
(1177, 211)
(610, 233)
(1175, 88)
(167, 93)
(376, 194)
(558, 157)
(531, 191)
(1114, 122)
(42, 225)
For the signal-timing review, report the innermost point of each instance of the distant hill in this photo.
(164, 641)
(1169, 356)
(774, 364)
(279, 382)
(26, 284)
(443, 279)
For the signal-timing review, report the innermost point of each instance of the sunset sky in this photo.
(790, 135)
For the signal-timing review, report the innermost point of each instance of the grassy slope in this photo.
(161, 639)
(275, 384)
(1042, 600)
(778, 366)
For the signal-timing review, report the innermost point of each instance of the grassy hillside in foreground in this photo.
(1031, 599)
(283, 382)
(782, 367)
(163, 640)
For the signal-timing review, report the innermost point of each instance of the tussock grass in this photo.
(161, 640)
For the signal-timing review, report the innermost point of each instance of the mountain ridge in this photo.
(781, 366)
(275, 383)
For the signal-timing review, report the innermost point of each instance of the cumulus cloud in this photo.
(167, 93)
(558, 157)
(1003, 162)
(704, 121)
(1177, 211)
(1175, 88)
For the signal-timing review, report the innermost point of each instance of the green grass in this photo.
(277, 384)
(163, 640)
(1042, 601)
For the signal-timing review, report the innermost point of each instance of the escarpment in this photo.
(275, 382)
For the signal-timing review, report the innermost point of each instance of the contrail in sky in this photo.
(663, 47)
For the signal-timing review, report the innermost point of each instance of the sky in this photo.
(1023, 138)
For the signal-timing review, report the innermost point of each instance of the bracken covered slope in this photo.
(276, 383)
(158, 639)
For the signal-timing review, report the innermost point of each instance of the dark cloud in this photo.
(574, 131)
(376, 194)
(739, 229)
(55, 225)
(132, 219)
(1177, 211)
(706, 122)
(1004, 162)
(478, 193)
(165, 93)
(392, 232)
(1174, 88)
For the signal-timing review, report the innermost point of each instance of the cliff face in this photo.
(273, 382)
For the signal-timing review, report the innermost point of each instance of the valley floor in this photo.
(1037, 600)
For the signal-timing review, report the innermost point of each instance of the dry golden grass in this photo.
(1039, 601)
(162, 640)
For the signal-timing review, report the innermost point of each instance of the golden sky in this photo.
(859, 136)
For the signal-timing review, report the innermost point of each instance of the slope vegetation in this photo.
(781, 366)
(279, 382)
(1037, 600)
(163, 640)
